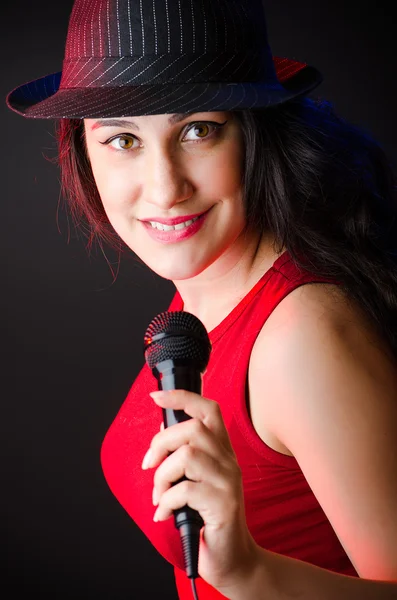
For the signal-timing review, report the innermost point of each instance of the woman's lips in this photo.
(175, 220)
(176, 235)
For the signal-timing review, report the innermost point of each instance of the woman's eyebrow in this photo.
(175, 118)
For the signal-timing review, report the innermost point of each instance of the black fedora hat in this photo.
(141, 57)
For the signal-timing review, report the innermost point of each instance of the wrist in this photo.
(252, 579)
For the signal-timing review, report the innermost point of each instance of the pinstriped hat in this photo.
(141, 57)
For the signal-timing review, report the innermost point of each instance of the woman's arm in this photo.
(278, 577)
(331, 398)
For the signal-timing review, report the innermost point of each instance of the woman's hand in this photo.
(200, 449)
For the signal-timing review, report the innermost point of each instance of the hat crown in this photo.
(117, 43)
(122, 28)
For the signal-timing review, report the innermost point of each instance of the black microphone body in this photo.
(177, 349)
(177, 375)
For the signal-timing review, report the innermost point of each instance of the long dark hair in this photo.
(322, 186)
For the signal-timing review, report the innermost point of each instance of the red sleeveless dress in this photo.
(283, 515)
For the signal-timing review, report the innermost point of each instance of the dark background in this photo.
(71, 333)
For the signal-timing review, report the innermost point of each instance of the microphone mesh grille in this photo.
(177, 335)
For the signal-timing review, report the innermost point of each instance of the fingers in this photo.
(205, 410)
(194, 464)
(192, 433)
(195, 461)
(216, 506)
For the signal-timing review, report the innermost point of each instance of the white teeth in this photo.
(181, 226)
(162, 227)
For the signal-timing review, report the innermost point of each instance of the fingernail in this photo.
(159, 394)
(155, 498)
(147, 459)
(156, 515)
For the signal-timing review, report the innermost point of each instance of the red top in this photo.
(283, 515)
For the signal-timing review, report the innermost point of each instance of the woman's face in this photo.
(171, 187)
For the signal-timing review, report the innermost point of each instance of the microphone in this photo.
(177, 349)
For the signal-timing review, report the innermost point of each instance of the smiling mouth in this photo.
(163, 227)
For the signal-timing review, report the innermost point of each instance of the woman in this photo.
(183, 138)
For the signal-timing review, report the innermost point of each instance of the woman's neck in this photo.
(213, 294)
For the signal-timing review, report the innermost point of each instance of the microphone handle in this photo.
(173, 376)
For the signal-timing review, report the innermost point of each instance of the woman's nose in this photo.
(166, 182)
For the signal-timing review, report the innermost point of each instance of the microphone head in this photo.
(177, 335)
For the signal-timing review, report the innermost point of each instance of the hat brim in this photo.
(44, 99)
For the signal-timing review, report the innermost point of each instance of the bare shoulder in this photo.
(323, 388)
(320, 313)
(316, 334)
(317, 304)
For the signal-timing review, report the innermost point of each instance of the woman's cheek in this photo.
(115, 190)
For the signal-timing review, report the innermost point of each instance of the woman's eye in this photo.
(196, 132)
(200, 131)
(122, 142)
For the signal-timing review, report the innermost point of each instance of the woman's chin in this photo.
(175, 268)
(179, 273)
